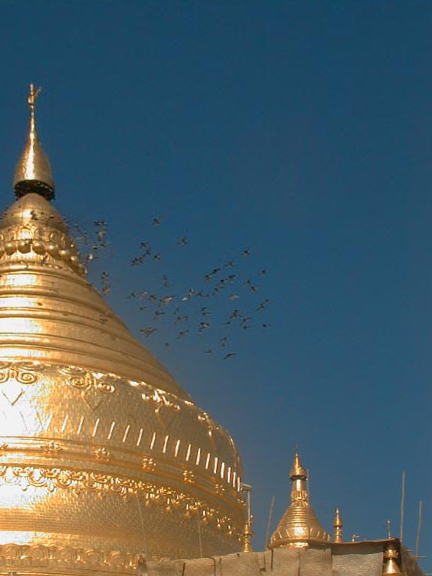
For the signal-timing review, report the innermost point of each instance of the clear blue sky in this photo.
(303, 131)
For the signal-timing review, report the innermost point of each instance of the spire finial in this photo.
(248, 532)
(337, 525)
(33, 171)
(299, 526)
(391, 561)
(32, 97)
(297, 470)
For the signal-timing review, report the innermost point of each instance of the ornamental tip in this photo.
(297, 470)
(299, 526)
(337, 525)
(391, 558)
(33, 170)
(337, 522)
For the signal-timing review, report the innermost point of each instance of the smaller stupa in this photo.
(299, 527)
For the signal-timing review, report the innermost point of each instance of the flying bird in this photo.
(101, 234)
(189, 294)
(166, 300)
(262, 305)
(236, 314)
(148, 331)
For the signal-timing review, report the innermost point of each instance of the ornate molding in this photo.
(148, 464)
(104, 484)
(57, 557)
(95, 388)
(102, 454)
(159, 399)
(28, 373)
(37, 242)
(84, 380)
(51, 448)
(22, 372)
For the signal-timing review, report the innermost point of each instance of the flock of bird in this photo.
(222, 301)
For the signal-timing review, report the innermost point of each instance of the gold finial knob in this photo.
(337, 525)
(391, 565)
(297, 470)
(33, 171)
(388, 527)
(32, 97)
(247, 536)
(248, 532)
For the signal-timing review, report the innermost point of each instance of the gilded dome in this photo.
(103, 456)
(48, 310)
(299, 526)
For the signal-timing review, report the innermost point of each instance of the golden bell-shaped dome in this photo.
(299, 526)
(103, 456)
(61, 317)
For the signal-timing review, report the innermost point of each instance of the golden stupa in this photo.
(299, 526)
(103, 456)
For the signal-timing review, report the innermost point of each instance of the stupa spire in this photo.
(297, 471)
(337, 525)
(33, 170)
(299, 526)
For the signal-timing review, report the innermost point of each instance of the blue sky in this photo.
(301, 130)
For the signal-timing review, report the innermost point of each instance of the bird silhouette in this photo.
(148, 331)
(167, 302)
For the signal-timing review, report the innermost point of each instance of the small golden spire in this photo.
(297, 471)
(248, 532)
(391, 565)
(247, 536)
(299, 526)
(337, 525)
(33, 171)
(388, 526)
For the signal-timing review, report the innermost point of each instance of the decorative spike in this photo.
(337, 525)
(299, 526)
(297, 471)
(33, 171)
(391, 565)
(247, 537)
(248, 532)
